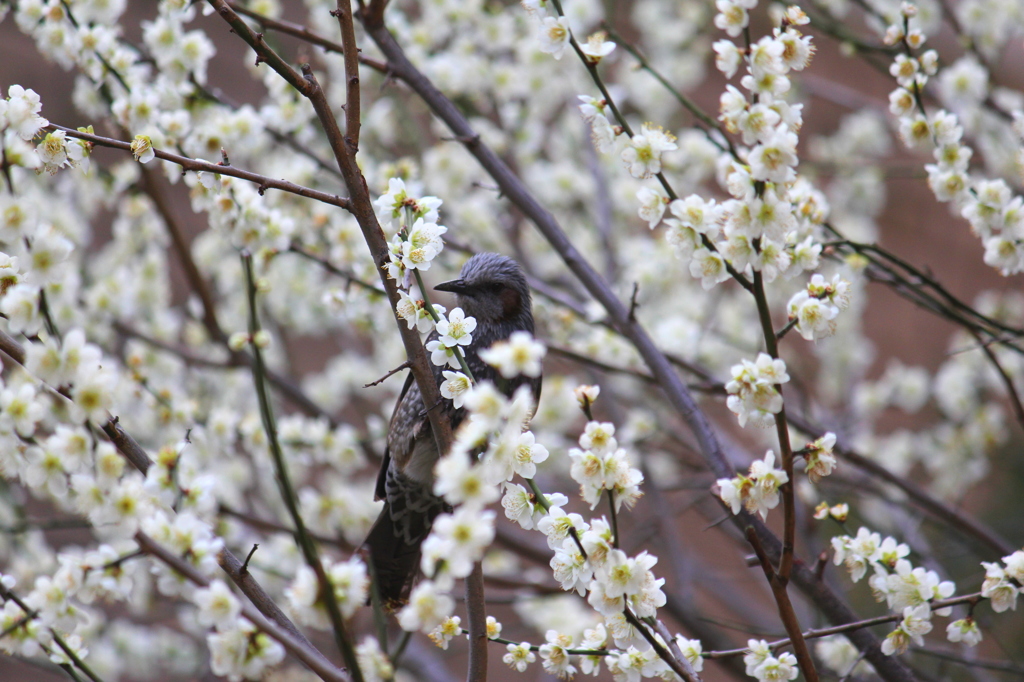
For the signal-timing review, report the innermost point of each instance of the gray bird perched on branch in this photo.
(492, 289)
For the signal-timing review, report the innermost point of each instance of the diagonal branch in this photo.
(264, 182)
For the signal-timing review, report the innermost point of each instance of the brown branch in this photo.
(351, 55)
(663, 653)
(816, 633)
(786, 611)
(673, 646)
(297, 645)
(303, 33)
(360, 205)
(13, 349)
(782, 430)
(188, 164)
(476, 613)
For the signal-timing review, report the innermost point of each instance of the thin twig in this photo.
(396, 370)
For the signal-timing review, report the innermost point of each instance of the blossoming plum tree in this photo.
(191, 407)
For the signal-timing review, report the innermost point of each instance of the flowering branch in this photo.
(778, 584)
(305, 542)
(294, 643)
(197, 165)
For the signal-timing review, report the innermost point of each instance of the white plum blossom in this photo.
(242, 651)
(554, 657)
(820, 461)
(218, 607)
(758, 491)
(454, 387)
(858, 553)
(461, 538)
(521, 354)
(652, 205)
(709, 267)
(753, 395)
(457, 329)
(732, 15)
(915, 625)
(643, 154)
(998, 588)
(460, 481)
(775, 669)
(396, 203)
(427, 608)
(727, 57)
(415, 314)
(965, 630)
(446, 631)
(597, 47)
(519, 656)
(527, 455)
(774, 158)
(554, 36)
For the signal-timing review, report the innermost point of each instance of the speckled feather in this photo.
(498, 297)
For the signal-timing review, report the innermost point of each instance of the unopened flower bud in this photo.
(238, 341)
(261, 339)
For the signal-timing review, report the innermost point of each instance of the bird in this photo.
(493, 289)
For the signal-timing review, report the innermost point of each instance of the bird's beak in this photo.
(456, 286)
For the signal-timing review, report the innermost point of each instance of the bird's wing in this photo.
(380, 492)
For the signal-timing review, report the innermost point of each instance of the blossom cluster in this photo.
(912, 591)
(766, 226)
(758, 491)
(1003, 582)
(814, 309)
(763, 665)
(994, 212)
(753, 390)
(237, 649)
(86, 286)
(417, 240)
(351, 584)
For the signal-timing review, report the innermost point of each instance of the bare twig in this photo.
(396, 370)
(351, 56)
(476, 613)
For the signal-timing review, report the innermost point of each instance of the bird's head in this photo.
(492, 288)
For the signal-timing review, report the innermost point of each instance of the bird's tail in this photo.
(394, 561)
(394, 552)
